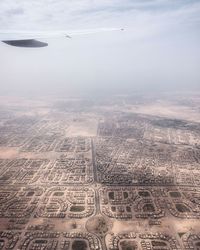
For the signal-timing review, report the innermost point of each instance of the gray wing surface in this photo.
(28, 43)
(35, 39)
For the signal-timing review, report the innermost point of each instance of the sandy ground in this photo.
(14, 153)
(168, 110)
(87, 128)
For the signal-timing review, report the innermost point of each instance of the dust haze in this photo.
(157, 51)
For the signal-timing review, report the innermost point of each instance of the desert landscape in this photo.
(115, 173)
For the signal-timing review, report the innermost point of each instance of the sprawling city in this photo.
(113, 173)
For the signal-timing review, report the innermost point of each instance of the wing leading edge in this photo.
(29, 40)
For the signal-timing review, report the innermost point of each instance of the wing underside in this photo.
(28, 43)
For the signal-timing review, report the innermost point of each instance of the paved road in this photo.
(93, 162)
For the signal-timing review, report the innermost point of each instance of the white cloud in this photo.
(64, 14)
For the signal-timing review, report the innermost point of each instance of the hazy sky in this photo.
(159, 49)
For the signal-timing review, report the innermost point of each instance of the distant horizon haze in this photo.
(157, 51)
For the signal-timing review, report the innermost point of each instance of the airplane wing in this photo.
(36, 39)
